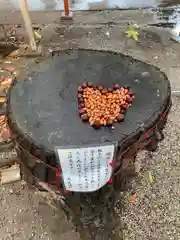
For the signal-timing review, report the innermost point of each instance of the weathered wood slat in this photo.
(10, 175)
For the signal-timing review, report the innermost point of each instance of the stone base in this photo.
(65, 17)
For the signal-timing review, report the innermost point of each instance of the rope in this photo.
(55, 169)
(37, 159)
(58, 170)
(143, 137)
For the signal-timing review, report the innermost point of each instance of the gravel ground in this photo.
(26, 215)
(156, 213)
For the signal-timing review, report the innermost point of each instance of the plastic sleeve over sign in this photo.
(86, 169)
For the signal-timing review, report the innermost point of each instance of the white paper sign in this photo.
(86, 169)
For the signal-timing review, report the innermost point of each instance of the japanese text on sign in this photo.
(86, 169)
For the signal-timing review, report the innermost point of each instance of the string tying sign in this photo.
(86, 169)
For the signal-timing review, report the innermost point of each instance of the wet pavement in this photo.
(87, 4)
(24, 214)
(165, 13)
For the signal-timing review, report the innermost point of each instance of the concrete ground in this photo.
(25, 215)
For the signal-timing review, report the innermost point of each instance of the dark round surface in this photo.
(44, 106)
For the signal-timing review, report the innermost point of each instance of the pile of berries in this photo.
(103, 107)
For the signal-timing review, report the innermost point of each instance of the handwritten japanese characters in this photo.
(86, 169)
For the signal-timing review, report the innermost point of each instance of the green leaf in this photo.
(132, 33)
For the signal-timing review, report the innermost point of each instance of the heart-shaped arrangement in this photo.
(103, 107)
